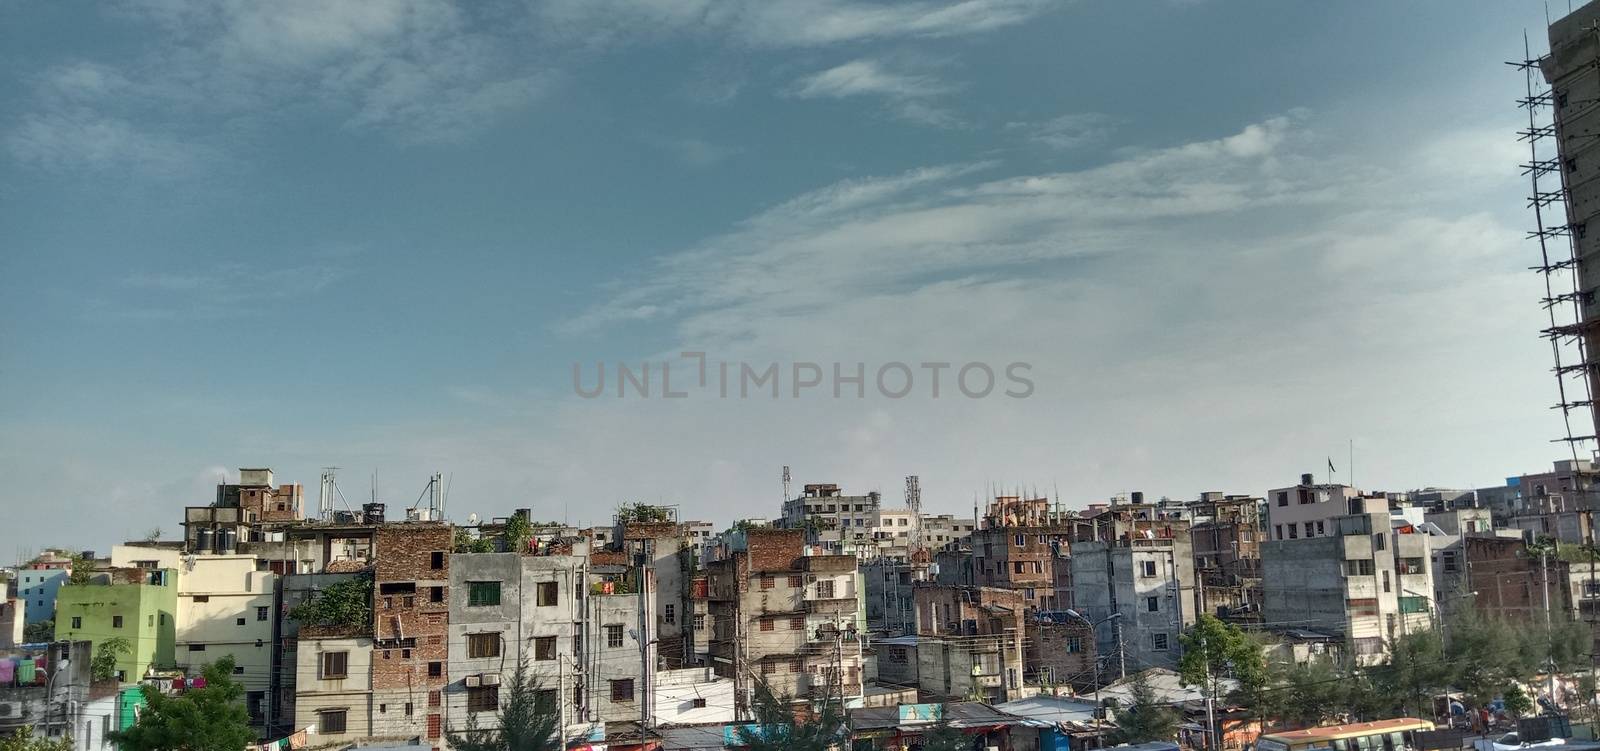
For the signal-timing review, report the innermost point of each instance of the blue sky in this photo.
(1228, 237)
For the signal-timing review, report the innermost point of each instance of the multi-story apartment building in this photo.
(839, 523)
(411, 628)
(890, 592)
(37, 584)
(1363, 581)
(134, 604)
(224, 609)
(1026, 546)
(1146, 579)
(1307, 509)
(1059, 650)
(778, 615)
(970, 642)
(1226, 542)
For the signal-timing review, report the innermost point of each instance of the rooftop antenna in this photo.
(327, 492)
(786, 478)
(914, 502)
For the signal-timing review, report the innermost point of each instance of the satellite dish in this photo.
(472, 520)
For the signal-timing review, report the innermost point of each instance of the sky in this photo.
(1223, 243)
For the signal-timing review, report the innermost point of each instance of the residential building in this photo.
(1506, 581)
(136, 605)
(890, 592)
(1060, 650)
(1026, 546)
(43, 687)
(411, 627)
(11, 616)
(667, 549)
(1145, 577)
(970, 642)
(1307, 509)
(1226, 542)
(839, 523)
(1363, 582)
(333, 683)
(691, 696)
(37, 584)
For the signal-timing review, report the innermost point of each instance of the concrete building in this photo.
(667, 549)
(781, 615)
(333, 683)
(691, 696)
(890, 592)
(43, 699)
(224, 609)
(1147, 577)
(970, 642)
(138, 605)
(1364, 583)
(839, 523)
(1060, 651)
(37, 584)
(11, 616)
(1307, 509)
(1226, 543)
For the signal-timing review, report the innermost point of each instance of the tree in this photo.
(1305, 695)
(526, 724)
(1488, 655)
(1145, 719)
(777, 727)
(82, 570)
(642, 513)
(24, 740)
(103, 665)
(344, 603)
(943, 736)
(466, 543)
(153, 534)
(39, 631)
(516, 533)
(212, 718)
(1517, 701)
(1415, 672)
(1221, 651)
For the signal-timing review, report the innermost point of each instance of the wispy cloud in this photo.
(788, 23)
(1067, 132)
(219, 291)
(81, 139)
(694, 152)
(908, 94)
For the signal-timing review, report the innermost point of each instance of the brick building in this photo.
(411, 628)
(1226, 542)
(970, 641)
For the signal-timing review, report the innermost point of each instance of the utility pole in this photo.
(1550, 644)
(1211, 715)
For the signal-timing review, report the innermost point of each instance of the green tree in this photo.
(526, 724)
(943, 736)
(103, 665)
(1145, 719)
(465, 542)
(347, 602)
(1304, 695)
(1488, 655)
(516, 534)
(82, 570)
(1517, 701)
(24, 740)
(642, 513)
(1218, 650)
(39, 631)
(1415, 672)
(212, 718)
(778, 727)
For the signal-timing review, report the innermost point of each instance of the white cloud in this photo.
(909, 95)
(80, 139)
(1067, 132)
(787, 23)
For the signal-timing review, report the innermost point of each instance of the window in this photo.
(1310, 529)
(699, 622)
(116, 621)
(435, 670)
(261, 613)
(330, 722)
(767, 582)
(483, 645)
(797, 623)
(483, 593)
(1283, 497)
(438, 560)
(1321, 530)
(1410, 566)
(698, 702)
(77, 622)
(671, 613)
(1294, 532)
(483, 698)
(1021, 540)
(1147, 568)
(1386, 580)
(796, 582)
(544, 648)
(622, 690)
(825, 589)
(238, 621)
(767, 624)
(1380, 541)
(1016, 568)
(435, 594)
(1074, 644)
(1358, 567)
(202, 598)
(1279, 529)
(1158, 642)
(335, 665)
(613, 635)
(1152, 604)
(435, 698)
(544, 701)
(549, 594)
(1366, 606)
(202, 648)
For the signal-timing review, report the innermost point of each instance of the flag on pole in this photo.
(1330, 465)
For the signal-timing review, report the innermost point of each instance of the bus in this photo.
(1382, 735)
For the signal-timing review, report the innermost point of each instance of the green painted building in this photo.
(138, 605)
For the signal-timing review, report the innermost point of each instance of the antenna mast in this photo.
(786, 478)
(914, 502)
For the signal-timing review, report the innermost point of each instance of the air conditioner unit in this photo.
(473, 681)
(491, 679)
